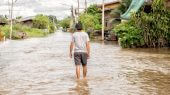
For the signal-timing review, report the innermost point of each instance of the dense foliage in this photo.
(129, 35)
(151, 29)
(43, 22)
(93, 10)
(124, 6)
(19, 30)
(53, 19)
(65, 23)
(91, 19)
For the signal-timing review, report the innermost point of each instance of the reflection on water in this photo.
(81, 88)
(41, 66)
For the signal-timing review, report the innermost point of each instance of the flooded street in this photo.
(41, 66)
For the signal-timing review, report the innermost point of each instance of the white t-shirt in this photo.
(80, 39)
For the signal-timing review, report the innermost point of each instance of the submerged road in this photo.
(41, 66)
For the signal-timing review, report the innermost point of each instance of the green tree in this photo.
(91, 19)
(65, 23)
(41, 22)
(93, 10)
(124, 6)
(53, 18)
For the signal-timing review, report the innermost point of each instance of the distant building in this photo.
(28, 21)
(2, 22)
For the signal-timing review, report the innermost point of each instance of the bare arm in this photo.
(88, 48)
(71, 49)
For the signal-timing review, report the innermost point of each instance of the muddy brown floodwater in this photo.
(41, 66)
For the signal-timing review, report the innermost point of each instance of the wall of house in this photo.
(108, 15)
(28, 23)
(112, 6)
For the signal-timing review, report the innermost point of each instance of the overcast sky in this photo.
(59, 8)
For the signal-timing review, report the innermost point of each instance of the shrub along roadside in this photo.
(43, 22)
(20, 31)
(91, 19)
(150, 29)
(1, 36)
(129, 35)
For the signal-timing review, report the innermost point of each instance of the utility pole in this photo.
(72, 17)
(11, 27)
(11, 16)
(103, 22)
(78, 7)
(86, 6)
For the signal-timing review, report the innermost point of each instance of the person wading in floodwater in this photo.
(80, 43)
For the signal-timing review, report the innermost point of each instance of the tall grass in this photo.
(18, 29)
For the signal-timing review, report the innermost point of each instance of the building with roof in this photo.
(28, 21)
(109, 7)
(110, 19)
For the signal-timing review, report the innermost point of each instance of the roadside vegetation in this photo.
(65, 23)
(150, 30)
(42, 26)
(21, 32)
(91, 19)
(43, 22)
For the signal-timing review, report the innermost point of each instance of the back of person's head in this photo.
(79, 26)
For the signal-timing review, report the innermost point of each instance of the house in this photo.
(3, 22)
(28, 21)
(108, 15)
(110, 19)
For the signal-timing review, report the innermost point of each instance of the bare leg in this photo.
(84, 71)
(78, 71)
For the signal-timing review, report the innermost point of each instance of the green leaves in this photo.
(65, 23)
(93, 10)
(146, 29)
(92, 18)
(41, 22)
(129, 35)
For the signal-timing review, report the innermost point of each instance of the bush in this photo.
(146, 29)
(5, 31)
(65, 23)
(91, 19)
(51, 27)
(41, 22)
(1, 36)
(129, 35)
(155, 25)
(19, 30)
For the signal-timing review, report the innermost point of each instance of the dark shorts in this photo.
(80, 58)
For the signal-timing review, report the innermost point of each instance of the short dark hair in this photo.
(79, 26)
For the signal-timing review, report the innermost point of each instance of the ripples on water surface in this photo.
(40, 66)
